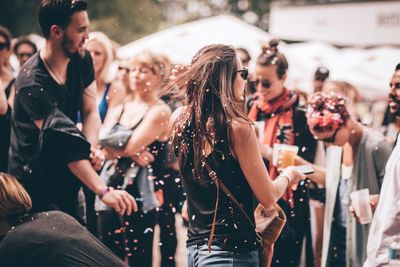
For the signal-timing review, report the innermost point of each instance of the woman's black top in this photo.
(156, 168)
(232, 231)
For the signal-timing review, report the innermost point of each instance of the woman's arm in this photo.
(266, 191)
(155, 126)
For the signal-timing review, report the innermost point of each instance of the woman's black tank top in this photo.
(232, 231)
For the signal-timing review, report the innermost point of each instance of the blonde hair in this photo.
(159, 64)
(106, 44)
(14, 200)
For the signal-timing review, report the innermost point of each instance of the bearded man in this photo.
(51, 157)
(385, 224)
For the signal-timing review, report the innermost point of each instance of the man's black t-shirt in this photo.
(37, 94)
(53, 239)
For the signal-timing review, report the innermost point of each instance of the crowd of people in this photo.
(91, 162)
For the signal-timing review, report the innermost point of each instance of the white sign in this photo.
(344, 24)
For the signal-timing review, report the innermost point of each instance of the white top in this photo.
(386, 222)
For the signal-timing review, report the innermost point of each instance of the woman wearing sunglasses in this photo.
(356, 160)
(277, 107)
(213, 132)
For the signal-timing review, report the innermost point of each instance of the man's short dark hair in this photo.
(24, 40)
(5, 33)
(397, 67)
(58, 12)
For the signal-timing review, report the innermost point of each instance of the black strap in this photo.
(122, 112)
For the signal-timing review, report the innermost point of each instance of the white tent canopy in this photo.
(368, 69)
(181, 42)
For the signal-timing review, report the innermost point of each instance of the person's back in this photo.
(232, 231)
(53, 239)
(216, 146)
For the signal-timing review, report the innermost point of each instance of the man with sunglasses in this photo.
(50, 156)
(385, 224)
(355, 159)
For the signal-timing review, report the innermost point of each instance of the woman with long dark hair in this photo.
(213, 132)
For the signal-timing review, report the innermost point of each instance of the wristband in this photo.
(288, 177)
(103, 192)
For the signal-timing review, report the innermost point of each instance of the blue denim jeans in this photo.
(199, 257)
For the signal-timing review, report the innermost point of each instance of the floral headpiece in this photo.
(326, 113)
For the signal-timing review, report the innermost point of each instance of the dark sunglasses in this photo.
(123, 68)
(3, 45)
(332, 138)
(396, 85)
(265, 83)
(25, 54)
(244, 73)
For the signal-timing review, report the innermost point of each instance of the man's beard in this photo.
(66, 43)
(393, 97)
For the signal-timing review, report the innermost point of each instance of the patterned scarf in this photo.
(279, 126)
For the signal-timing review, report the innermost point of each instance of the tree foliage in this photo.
(128, 20)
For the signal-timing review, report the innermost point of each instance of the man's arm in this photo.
(90, 115)
(120, 200)
(91, 124)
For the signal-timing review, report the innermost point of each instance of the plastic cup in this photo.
(287, 153)
(260, 126)
(361, 205)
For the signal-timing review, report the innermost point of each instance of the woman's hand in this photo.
(97, 158)
(108, 154)
(294, 175)
(143, 158)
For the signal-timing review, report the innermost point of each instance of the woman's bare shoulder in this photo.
(159, 112)
(241, 128)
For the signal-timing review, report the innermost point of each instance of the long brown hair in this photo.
(209, 87)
